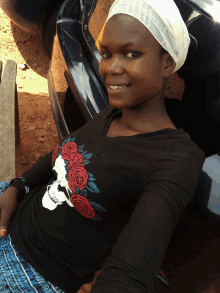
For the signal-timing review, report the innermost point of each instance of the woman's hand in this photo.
(8, 206)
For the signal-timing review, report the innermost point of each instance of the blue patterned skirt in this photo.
(17, 275)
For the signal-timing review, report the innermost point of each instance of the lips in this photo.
(117, 89)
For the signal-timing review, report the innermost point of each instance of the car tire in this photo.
(48, 31)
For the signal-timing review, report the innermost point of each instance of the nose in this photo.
(115, 66)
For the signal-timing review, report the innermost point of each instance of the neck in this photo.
(146, 117)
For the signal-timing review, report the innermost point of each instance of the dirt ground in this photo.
(38, 134)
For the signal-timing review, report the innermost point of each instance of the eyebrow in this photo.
(121, 46)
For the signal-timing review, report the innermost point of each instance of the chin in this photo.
(115, 105)
(118, 104)
(124, 107)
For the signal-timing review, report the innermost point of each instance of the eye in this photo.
(105, 55)
(132, 55)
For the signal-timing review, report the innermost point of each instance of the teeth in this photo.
(115, 87)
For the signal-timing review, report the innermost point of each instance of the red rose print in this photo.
(55, 153)
(77, 177)
(68, 150)
(75, 159)
(82, 205)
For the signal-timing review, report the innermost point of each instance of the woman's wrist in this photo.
(14, 191)
(19, 184)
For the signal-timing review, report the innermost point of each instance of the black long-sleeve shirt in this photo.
(110, 203)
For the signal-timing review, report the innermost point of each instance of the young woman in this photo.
(111, 194)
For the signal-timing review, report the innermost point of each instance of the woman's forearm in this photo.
(38, 175)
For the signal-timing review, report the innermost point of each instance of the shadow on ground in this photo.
(38, 133)
(31, 49)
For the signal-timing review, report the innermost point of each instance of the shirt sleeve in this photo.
(38, 175)
(137, 256)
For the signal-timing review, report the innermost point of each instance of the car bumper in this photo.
(61, 125)
(72, 71)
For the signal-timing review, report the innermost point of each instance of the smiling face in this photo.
(131, 58)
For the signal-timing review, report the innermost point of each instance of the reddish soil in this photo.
(38, 134)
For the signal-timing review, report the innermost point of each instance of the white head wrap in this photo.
(163, 19)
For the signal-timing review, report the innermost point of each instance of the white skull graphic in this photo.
(54, 197)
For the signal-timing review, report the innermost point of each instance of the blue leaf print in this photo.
(90, 175)
(68, 139)
(80, 148)
(67, 172)
(59, 152)
(87, 156)
(84, 154)
(97, 207)
(67, 167)
(77, 190)
(83, 192)
(86, 162)
(91, 186)
(96, 218)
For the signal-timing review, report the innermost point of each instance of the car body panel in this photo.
(211, 167)
(27, 14)
(92, 95)
(207, 196)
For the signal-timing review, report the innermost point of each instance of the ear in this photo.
(169, 65)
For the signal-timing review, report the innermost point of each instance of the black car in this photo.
(33, 16)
